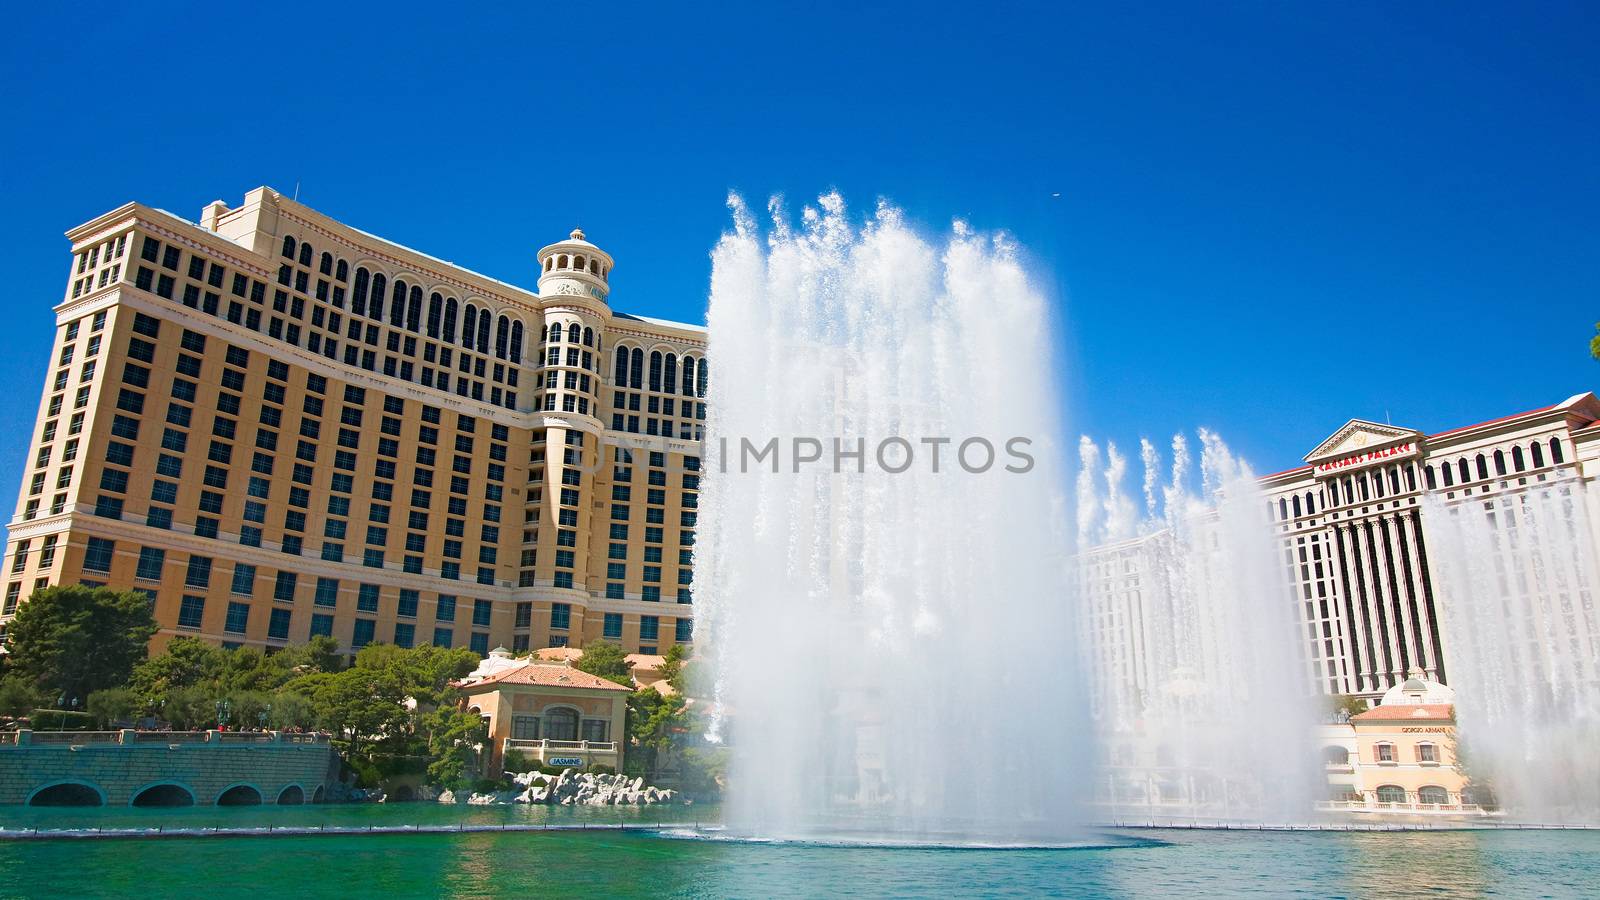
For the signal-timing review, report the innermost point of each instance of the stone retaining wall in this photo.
(119, 766)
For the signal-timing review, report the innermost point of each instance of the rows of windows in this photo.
(55, 407)
(99, 265)
(350, 442)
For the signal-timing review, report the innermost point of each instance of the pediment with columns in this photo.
(1359, 436)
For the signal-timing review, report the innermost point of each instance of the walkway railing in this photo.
(130, 737)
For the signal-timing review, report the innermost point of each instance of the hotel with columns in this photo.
(278, 426)
(1350, 527)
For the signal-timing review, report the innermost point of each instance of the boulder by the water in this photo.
(572, 788)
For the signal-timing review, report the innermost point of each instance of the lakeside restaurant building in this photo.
(555, 714)
(1399, 756)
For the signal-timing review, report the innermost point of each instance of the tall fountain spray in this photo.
(1519, 578)
(1202, 706)
(883, 597)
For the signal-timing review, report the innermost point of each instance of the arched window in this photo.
(342, 271)
(1500, 462)
(435, 313)
(1361, 482)
(325, 263)
(469, 325)
(620, 377)
(516, 342)
(1432, 793)
(1538, 454)
(305, 255)
(376, 309)
(1411, 477)
(594, 267)
(288, 246)
(636, 368)
(670, 383)
(1518, 461)
(548, 262)
(688, 376)
(1336, 756)
(414, 321)
(1296, 505)
(655, 370)
(1464, 470)
(397, 304)
(1483, 466)
(483, 330)
(502, 336)
(358, 293)
(560, 724)
(1428, 476)
(588, 337)
(573, 333)
(700, 383)
(564, 264)
(578, 263)
(1391, 793)
(556, 331)
(1394, 479)
(449, 319)
(1555, 452)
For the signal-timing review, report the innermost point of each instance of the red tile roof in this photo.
(547, 676)
(1402, 711)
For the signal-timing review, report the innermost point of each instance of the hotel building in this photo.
(1349, 524)
(278, 426)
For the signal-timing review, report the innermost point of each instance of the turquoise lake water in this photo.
(1151, 863)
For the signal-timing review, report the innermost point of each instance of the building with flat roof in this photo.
(278, 426)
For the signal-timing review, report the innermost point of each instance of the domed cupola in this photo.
(575, 268)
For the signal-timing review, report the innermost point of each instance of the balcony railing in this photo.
(527, 745)
(1407, 806)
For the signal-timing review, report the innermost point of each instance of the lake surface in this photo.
(1147, 863)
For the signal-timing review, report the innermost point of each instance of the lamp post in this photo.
(224, 707)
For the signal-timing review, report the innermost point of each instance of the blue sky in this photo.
(1272, 217)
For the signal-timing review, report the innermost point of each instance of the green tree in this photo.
(361, 706)
(655, 722)
(18, 696)
(113, 705)
(320, 654)
(1594, 343)
(187, 662)
(73, 640)
(606, 660)
(675, 668)
(291, 710)
(454, 738)
(1348, 704)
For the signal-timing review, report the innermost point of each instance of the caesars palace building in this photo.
(1349, 526)
(278, 426)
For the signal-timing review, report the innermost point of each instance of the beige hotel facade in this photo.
(1349, 526)
(279, 426)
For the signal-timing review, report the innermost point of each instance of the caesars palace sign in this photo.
(1361, 459)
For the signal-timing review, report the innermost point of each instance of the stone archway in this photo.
(67, 793)
(293, 795)
(240, 795)
(317, 797)
(163, 794)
